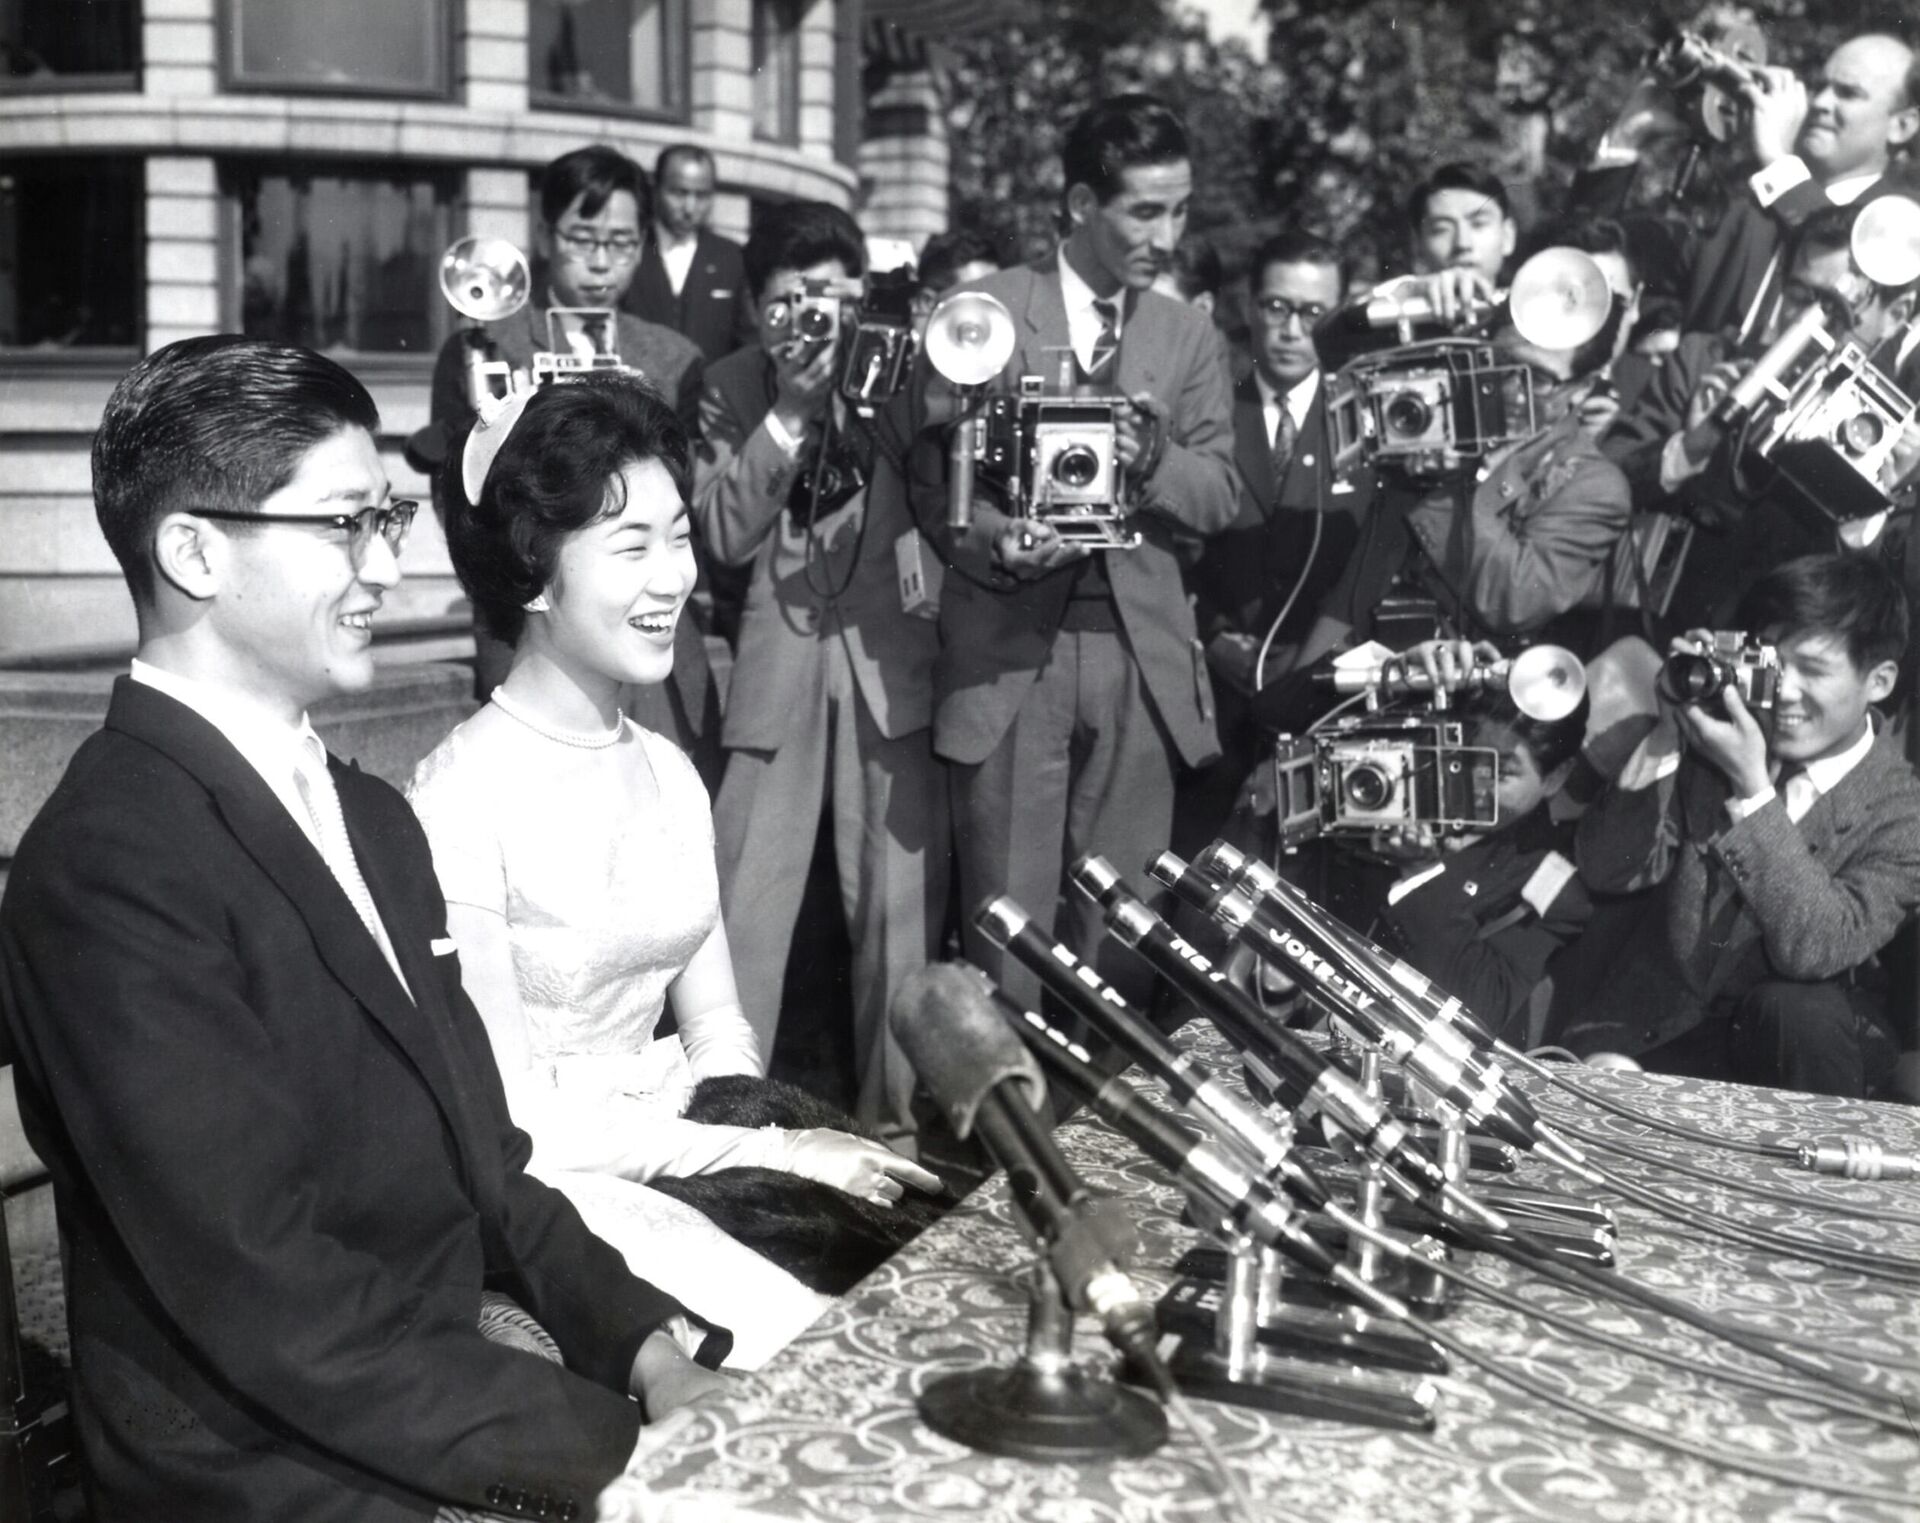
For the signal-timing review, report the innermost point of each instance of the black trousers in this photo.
(1825, 1038)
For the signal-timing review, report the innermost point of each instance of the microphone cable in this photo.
(1237, 1499)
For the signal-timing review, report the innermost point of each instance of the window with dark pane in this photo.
(615, 55)
(69, 44)
(776, 70)
(358, 47)
(70, 275)
(341, 261)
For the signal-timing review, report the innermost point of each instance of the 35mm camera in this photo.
(1734, 660)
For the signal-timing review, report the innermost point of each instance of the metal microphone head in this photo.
(945, 1020)
(1000, 919)
(1095, 877)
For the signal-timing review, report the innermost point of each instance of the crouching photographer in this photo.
(1779, 827)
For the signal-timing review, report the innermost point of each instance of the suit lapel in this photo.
(1045, 323)
(265, 830)
(1252, 450)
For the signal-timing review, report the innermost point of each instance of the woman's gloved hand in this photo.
(853, 1164)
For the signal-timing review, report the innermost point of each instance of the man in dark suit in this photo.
(1297, 521)
(690, 279)
(280, 1149)
(832, 692)
(1070, 684)
(1785, 847)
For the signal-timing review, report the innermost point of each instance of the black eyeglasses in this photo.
(1279, 311)
(390, 521)
(581, 244)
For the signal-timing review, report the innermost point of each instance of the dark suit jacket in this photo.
(1758, 899)
(281, 1182)
(713, 308)
(739, 502)
(1245, 573)
(996, 633)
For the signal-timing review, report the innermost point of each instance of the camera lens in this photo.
(1688, 678)
(816, 322)
(1861, 433)
(1367, 786)
(1407, 416)
(1076, 466)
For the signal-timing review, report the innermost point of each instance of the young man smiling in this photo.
(1786, 846)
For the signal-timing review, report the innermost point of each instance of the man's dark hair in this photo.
(1850, 594)
(1456, 177)
(590, 176)
(1121, 133)
(1298, 246)
(947, 254)
(217, 422)
(679, 151)
(557, 472)
(796, 235)
(1548, 741)
(1196, 267)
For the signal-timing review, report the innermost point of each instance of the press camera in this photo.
(1441, 405)
(1390, 769)
(1709, 76)
(1734, 660)
(487, 280)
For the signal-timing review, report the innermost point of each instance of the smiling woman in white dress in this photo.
(575, 850)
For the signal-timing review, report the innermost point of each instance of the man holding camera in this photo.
(832, 689)
(1782, 840)
(1070, 682)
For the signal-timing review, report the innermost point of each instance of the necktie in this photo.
(317, 792)
(1285, 435)
(1107, 342)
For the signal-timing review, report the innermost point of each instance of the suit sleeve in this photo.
(182, 1103)
(1631, 836)
(1195, 483)
(1818, 923)
(1525, 569)
(740, 481)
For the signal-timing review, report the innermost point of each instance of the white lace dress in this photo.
(605, 901)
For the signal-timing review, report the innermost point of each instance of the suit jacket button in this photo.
(496, 1494)
(568, 1512)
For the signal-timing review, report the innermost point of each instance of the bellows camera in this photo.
(1057, 458)
(1383, 772)
(1734, 660)
(488, 279)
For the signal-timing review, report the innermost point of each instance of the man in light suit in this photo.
(1071, 684)
(691, 279)
(280, 1150)
(1783, 847)
(832, 691)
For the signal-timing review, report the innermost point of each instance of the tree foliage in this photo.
(1357, 100)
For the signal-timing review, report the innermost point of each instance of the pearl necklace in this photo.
(563, 737)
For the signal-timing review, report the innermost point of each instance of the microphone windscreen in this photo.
(944, 1019)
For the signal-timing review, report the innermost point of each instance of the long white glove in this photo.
(853, 1164)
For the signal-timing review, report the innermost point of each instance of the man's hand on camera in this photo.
(1139, 435)
(1776, 111)
(803, 381)
(1732, 740)
(1027, 548)
(1458, 295)
(1449, 664)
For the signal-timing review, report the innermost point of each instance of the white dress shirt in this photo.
(1298, 401)
(675, 258)
(1083, 323)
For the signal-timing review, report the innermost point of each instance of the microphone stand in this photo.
(1044, 1406)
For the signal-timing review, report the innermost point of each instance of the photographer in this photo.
(1785, 845)
(1676, 447)
(1829, 145)
(832, 688)
(1070, 682)
(1483, 913)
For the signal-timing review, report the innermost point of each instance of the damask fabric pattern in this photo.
(828, 1432)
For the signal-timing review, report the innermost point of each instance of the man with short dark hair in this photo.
(689, 277)
(1785, 846)
(1070, 683)
(281, 1154)
(832, 690)
(1461, 218)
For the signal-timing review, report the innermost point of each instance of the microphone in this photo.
(1324, 1088)
(1101, 1006)
(984, 1078)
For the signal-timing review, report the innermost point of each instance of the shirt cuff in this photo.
(777, 431)
(1779, 177)
(1739, 809)
(1676, 465)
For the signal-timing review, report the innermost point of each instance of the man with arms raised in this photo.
(1070, 683)
(280, 1151)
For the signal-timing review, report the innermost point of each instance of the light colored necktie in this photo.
(1285, 435)
(1797, 791)
(317, 792)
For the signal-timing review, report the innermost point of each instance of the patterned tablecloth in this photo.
(829, 1432)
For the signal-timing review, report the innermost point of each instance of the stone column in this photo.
(490, 55)
(183, 256)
